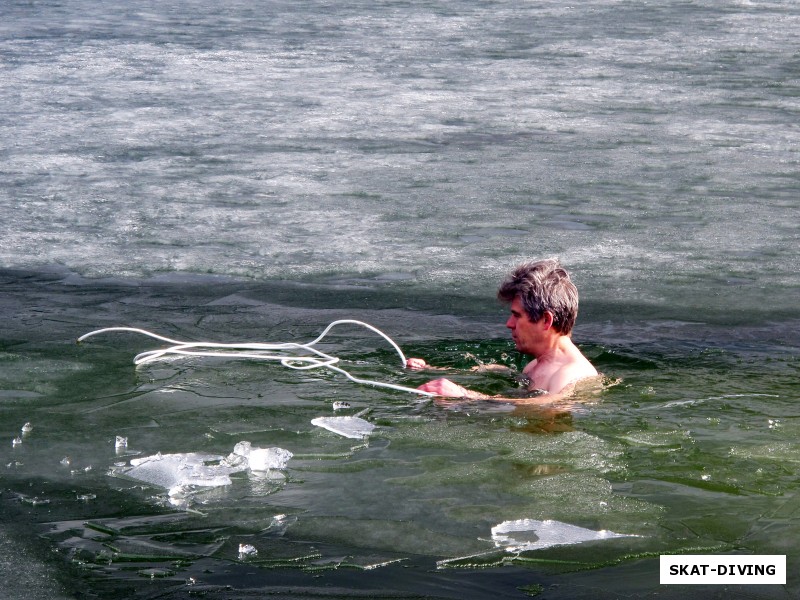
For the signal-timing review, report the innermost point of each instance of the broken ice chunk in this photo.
(238, 459)
(263, 459)
(340, 405)
(242, 448)
(178, 470)
(179, 473)
(530, 534)
(349, 427)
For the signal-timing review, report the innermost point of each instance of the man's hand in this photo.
(416, 363)
(448, 389)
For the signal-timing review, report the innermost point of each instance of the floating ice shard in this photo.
(531, 534)
(244, 456)
(238, 458)
(34, 500)
(243, 448)
(350, 427)
(264, 459)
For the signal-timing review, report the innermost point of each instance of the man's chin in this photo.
(523, 349)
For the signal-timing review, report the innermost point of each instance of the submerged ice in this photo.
(183, 471)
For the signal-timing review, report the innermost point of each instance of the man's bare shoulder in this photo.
(567, 375)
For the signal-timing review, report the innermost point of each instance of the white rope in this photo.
(263, 351)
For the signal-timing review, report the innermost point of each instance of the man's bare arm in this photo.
(418, 364)
(444, 388)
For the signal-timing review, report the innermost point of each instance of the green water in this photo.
(693, 450)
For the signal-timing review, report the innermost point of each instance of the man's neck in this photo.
(553, 348)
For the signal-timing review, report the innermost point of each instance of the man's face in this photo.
(524, 332)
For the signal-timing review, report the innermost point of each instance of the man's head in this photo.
(543, 286)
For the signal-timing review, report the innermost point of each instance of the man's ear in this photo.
(547, 320)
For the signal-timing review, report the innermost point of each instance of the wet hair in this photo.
(543, 286)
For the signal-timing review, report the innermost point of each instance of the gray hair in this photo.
(543, 286)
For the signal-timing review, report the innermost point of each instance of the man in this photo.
(544, 305)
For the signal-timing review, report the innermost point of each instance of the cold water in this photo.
(252, 171)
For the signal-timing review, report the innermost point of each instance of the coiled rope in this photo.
(276, 352)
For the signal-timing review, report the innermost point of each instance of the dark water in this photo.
(252, 171)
